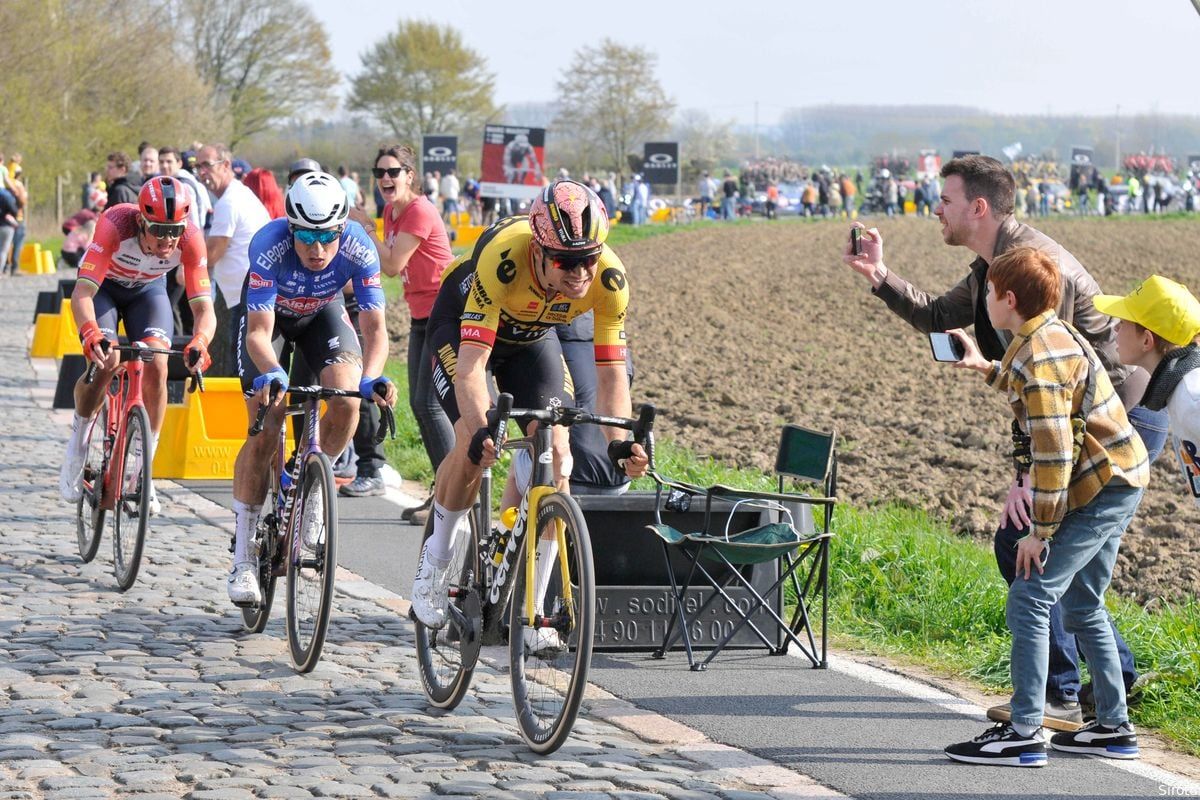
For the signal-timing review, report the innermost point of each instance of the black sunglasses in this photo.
(391, 172)
(165, 230)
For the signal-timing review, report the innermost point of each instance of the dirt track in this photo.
(737, 330)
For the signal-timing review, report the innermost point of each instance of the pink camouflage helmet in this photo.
(568, 218)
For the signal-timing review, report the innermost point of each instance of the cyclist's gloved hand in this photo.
(619, 451)
(275, 374)
(367, 386)
(91, 337)
(475, 449)
(199, 343)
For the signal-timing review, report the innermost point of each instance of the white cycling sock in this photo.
(547, 552)
(440, 543)
(79, 430)
(246, 518)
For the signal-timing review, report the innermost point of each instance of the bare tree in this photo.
(267, 60)
(422, 78)
(703, 141)
(612, 98)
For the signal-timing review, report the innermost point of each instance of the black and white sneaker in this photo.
(1094, 739)
(1002, 746)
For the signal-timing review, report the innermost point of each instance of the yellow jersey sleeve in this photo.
(611, 301)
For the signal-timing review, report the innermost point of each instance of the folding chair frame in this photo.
(706, 545)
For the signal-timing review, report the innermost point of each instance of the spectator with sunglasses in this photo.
(293, 291)
(415, 247)
(496, 311)
(123, 276)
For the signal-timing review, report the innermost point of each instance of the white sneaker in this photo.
(312, 530)
(543, 641)
(70, 477)
(429, 591)
(242, 584)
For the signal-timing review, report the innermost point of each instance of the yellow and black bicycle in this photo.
(549, 633)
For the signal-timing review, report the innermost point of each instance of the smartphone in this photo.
(856, 241)
(946, 347)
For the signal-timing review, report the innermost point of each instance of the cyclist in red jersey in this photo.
(122, 275)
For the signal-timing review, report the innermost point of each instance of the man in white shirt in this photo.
(354, 194)
(237, 216)
(449, 191)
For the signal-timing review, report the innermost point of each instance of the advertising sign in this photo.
(514, 160)
(1081, 166)
(439, 153)
(661, 163)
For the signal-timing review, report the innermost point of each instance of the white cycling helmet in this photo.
(316, 201)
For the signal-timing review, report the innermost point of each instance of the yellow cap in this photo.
(1160, 305)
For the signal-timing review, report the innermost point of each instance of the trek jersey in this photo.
(505, 302)
(279, 282)
(115, 255)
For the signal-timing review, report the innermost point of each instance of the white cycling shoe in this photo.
(543, 641)
(155, 506)
(429, 591)
(242, 584)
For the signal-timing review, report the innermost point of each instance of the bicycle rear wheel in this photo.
(89, 516)
(549, 661)
(310, 576)
(132, 513)
(446, 656)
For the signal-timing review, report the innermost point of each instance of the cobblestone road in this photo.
(158, 693)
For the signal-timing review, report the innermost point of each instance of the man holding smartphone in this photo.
(975, 210)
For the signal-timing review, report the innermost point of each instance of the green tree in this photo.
(83, 96)
(266, 60)
(422, 78)
(612, 98)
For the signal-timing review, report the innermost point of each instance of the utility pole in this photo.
(1117, 131)
(756, 122)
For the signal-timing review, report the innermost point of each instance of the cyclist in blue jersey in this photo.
(293, 291)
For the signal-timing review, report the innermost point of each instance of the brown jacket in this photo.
(966, 304)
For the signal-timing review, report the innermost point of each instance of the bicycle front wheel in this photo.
(550, 655)
(312, 565)
(89, 516)
(446, 656)
(132, 513)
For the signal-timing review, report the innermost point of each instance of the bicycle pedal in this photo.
(249, 604)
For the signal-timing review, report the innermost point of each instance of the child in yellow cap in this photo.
(1160, 321)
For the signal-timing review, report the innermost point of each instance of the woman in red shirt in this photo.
(415, 247)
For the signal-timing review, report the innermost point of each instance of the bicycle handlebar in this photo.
(195, 380)
(642, 427)
(387, 428)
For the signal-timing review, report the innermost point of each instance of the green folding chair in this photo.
(804, 456)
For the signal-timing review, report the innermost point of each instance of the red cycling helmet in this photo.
(163, 199)
(568, 217)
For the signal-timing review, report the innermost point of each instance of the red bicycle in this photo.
(116, 469)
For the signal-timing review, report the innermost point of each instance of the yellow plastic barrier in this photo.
(31, 255)
(379, 228)
(466, 235)
(47, 266)
(201, 437)
(55, 335)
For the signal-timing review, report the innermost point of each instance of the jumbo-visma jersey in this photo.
(506, 302)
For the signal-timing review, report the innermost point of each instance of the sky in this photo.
(1005, 56)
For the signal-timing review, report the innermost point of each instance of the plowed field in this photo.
(737, 330)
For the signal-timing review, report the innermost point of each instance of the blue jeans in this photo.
(1152, 427)
(1076, 574)
(727, 211)
(1063, 682)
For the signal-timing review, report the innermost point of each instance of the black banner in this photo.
(439, 153)
(1082, 155)
(961, 153)
(661, 163)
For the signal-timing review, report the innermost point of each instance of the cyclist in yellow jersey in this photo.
(496, 311)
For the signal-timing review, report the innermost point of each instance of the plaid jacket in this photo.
(1045, 375)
